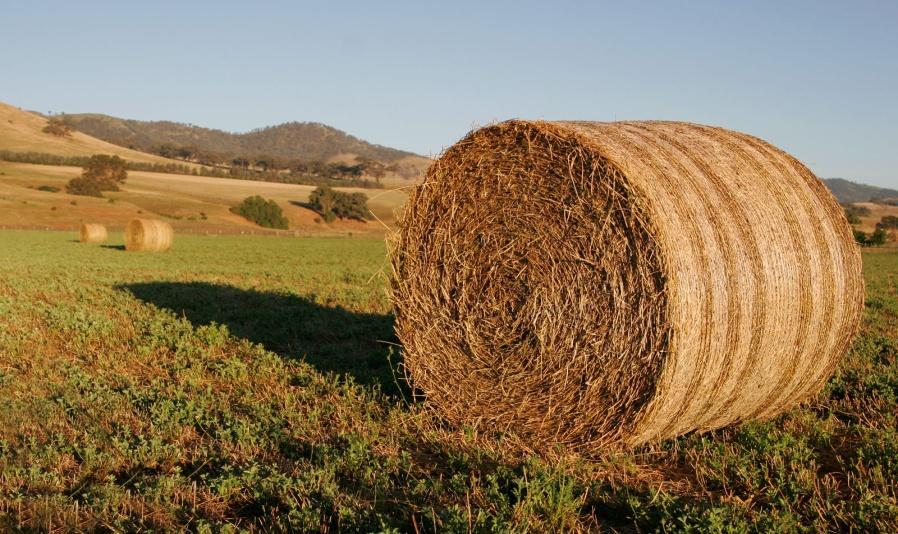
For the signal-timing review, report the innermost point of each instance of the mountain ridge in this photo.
(310, 141)
(847, 191)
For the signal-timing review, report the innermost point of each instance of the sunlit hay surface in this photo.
(149, 235)
(93, 233)
(593, 284)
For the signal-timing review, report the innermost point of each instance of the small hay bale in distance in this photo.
(611, 284)
(93, 233)
(148, 235)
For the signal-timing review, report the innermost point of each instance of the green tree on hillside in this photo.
(262, 212)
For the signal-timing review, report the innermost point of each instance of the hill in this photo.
(21, 131)
(848, 192)
(308, 141)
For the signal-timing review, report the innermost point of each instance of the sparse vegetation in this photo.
(48, 189)
(263, 212)
(168, 392)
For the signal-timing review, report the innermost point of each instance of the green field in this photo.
(249, 382)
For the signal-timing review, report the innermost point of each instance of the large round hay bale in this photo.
(93, 233)
(149, 235)
(596, 284)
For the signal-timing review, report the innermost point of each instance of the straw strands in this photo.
(149, 235)
(604, 284)
(93, 233)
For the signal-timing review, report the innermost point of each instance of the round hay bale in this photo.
(594, 284)
(93, 233)
(150, 235)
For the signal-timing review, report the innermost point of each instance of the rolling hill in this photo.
(21, 131)
(293, 140)
(848, 192)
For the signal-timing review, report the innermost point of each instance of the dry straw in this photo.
(93, 233)
(148, 235)
(595, 284)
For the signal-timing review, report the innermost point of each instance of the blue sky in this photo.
(819, 79)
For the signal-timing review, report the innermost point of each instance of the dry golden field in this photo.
(190, 203)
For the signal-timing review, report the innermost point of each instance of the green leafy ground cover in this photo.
(247, 383)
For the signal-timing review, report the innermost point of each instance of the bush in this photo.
(48, 189)
(332, 204)
(262, 212)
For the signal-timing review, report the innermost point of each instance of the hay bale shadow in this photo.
(114, 247)
(331, 339)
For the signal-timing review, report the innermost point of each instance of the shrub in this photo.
(262, 212)
(48, 189)
(332, 204)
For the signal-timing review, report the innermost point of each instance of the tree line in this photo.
(300, 173)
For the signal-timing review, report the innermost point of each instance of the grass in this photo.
(247, 383)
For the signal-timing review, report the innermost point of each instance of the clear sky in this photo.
(817, 78)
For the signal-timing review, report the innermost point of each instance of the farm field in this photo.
(190, 203)
(252, 382)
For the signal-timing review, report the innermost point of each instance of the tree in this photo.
(112, 169)
(854, 213)
(58, 127)
(322, 200)
(332, 204)
(889, 222)
(100, 173)
(877, 238)
(262, 212)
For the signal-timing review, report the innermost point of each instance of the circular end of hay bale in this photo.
(591, 284)
(93, 233)
(148, 235)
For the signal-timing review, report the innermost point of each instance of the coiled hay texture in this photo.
(93, 233)
(593, 284)
(149, 235)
